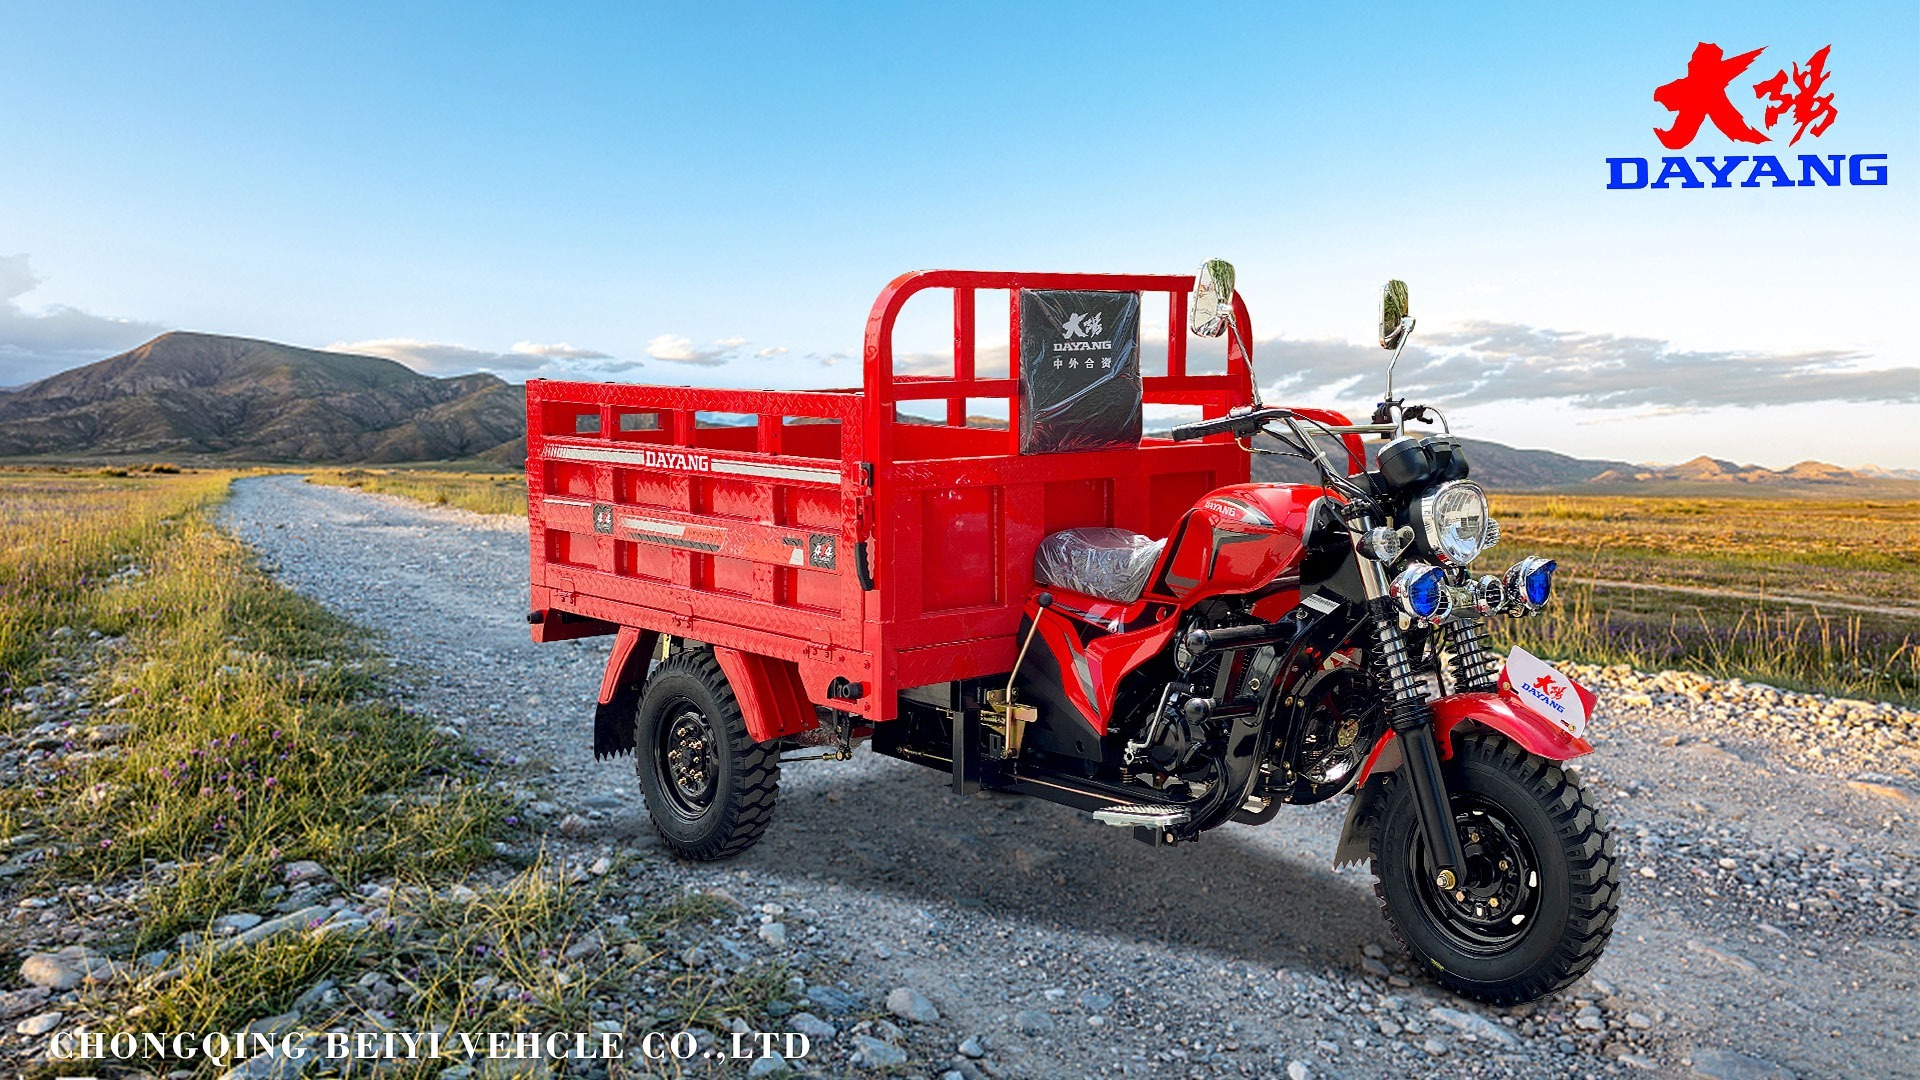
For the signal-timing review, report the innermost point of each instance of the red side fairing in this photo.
(1237, 541)
(1097, 643)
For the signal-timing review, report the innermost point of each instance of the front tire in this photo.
(708, 786)
(1541, 888)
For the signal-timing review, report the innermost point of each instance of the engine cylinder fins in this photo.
(1128, 816)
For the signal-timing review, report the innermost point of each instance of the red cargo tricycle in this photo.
(1070, 607)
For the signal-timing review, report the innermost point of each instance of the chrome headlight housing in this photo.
(1452, 523)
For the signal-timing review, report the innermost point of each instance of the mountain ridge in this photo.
(242, 399)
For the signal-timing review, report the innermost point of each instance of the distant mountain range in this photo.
(198, 396)
(210, 398)
(1507, 468)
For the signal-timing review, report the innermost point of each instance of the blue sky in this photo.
(623, 190)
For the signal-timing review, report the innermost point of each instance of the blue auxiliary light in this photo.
(1418, 591)
(1530, 582)
(1540, 582)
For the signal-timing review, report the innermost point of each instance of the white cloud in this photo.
(439, 358)
(679, 350)
(34, 345)
(524, 358)
(771, 351)
(1489, 362)
(558, 351)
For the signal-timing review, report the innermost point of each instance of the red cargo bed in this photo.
(816, 531)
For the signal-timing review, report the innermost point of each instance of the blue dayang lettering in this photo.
(1676, 168)
(1552, 704)
(1878, 173)
(1616, 176)
(1811, 166)
(1816, 170)
(1767, 165)
(1720, 174)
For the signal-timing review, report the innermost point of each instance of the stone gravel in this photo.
(1768, 839)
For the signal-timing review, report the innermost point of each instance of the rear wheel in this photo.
(709, 787)
(1537, 899)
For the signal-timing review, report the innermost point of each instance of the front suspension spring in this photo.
(1470, 663)
(1397, 678)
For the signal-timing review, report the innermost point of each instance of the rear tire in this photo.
(1542, 885)
(708, 786)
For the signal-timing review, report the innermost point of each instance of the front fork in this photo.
(1412, 721)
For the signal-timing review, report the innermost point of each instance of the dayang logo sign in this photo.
(1793, 103)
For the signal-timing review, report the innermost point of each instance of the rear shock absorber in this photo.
(1471, 663)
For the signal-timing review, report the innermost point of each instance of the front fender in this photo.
(1501, 712)
(1507, 714)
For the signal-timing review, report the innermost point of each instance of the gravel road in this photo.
(1771, 924)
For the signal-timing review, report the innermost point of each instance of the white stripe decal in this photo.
(664, 528)
(778, 472)
(740, 468)
(552, 500)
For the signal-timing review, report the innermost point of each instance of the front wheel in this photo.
(1540, 890)
(709, 787)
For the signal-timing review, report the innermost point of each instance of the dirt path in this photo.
(1769, 925)
(1905, 612)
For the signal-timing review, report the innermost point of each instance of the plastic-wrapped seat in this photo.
(1112, 564)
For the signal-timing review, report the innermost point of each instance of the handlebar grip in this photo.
(1191, 431)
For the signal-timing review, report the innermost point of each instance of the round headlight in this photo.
(1452, 522)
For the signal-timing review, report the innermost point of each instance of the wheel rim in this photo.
(685, 760)
(1498, 895)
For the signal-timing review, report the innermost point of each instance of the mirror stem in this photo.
(1406, 331)
(1252, 379)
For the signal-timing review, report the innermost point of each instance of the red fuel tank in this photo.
(1238, 540)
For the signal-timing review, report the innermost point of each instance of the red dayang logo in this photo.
(1552, 689)
(1795, 99)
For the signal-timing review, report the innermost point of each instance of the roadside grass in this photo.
(1810, 552)
(235, 728)
(1798, 649)
(483, 493)
(246, 726)
(63, 533)
(258, 737)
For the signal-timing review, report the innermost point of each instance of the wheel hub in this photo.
(1488, 904)
(686, 754)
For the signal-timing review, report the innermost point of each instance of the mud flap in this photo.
(1356, 836)
(620, 689)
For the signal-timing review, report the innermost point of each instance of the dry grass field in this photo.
(482, 493)
(1810, 593)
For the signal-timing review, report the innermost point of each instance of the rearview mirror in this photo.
(1211, 309)
(1394, 323)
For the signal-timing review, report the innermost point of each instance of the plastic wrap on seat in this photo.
(1112, 564)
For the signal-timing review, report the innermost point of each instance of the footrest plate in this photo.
(1149, 817)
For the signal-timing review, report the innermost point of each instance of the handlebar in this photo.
(1245, 425)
